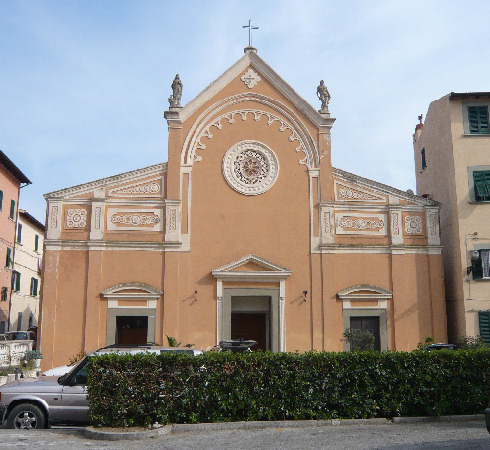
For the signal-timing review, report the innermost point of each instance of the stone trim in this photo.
(207, 119)
(107, 182)
(377, 293)
(253, 60)
(382, 188)
(117, 291)
(272, 272)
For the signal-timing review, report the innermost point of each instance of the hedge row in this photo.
(142, 389)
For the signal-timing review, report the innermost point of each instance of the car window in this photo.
(72, 370)
(82, 376)
(187, 352)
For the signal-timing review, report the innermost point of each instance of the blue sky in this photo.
(83, 84)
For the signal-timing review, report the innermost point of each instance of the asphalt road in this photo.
(454, 435)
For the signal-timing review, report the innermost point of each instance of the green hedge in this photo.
(142, 389)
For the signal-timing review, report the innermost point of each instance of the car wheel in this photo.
(26, 416)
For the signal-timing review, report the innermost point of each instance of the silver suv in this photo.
(38, 402)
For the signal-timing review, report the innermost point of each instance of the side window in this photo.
(19, 233)
(422, 156)
(33, 290)
(1, 200)
(8, 259)
(36, 243)
(15, 281)
(478, 119)
(5, 291)
(12, 209)
(484, 322)
(481, 266)
(481, 181)
(81, 377)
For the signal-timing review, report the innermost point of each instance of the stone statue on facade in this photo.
(174, 99)
(324, 96)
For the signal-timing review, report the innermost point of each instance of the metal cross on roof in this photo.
(250, 28)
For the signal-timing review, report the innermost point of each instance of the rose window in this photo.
(250, 167)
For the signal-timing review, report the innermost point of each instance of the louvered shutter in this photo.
(478, 119)
(484, 319)
(481, 180)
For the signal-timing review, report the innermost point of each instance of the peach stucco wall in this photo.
(220, 226)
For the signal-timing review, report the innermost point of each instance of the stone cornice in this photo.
(106, 182)
(384, 188)
(375, 292)
(58, 244)
(382, 249)
(118, 291)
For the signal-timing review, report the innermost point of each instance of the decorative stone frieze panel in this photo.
(134, 219)
(149, 188)
(360, 223)
(326, 225)
(54, 220)
(172, 220)
(97, 223)
(396, 227)
(413, 224)
(76, 218)
(433, 232)
(250, 167)
(250, 78)
(347, 193)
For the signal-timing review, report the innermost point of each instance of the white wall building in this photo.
(26, 278)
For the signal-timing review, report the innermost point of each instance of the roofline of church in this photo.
(252, 58)
(383, 187)
(108, 181)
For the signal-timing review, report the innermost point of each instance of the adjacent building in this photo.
(452, 160)
(26, 274)
(246, 232)
(11, 180)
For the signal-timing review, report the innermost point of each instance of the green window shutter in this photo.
(8, 260)
(17, 281)
(12, 209)
(484, 319)
(478, 119)
(481, 180)
(34, 282)
(19, 233)
(1, 200)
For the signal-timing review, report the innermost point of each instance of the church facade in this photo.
(246, 232)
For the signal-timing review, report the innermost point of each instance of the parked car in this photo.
(57, 371)
(237, 345)
(432, 347)
(38, 402)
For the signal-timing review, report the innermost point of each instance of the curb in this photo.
(223, 426)
(462, 418)
(93, 433)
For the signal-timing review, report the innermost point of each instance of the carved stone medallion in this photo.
(413, 224)
(76, 218)
(250, 78)
(250, 167)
